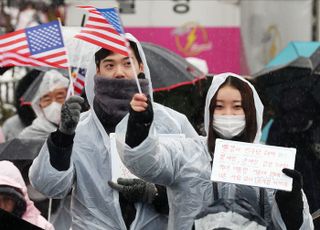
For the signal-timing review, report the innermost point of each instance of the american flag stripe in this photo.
(13, 59)
(4, 37)
(103, 42)
(20, 49)
(107, 36)
(99, 20)
(21, 46)
(52, 54)
(78, 85)
(12, 43)
(20, 37)
(88, 8)
(101, 28)
(100, 32)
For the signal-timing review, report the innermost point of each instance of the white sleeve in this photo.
(46, 179)
(151, 160)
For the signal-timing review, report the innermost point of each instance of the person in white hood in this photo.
(77, 156)
(47, 105)
(234, 112)
(14, 197)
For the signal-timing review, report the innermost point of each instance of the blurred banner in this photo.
(209, 30)
(268, 25)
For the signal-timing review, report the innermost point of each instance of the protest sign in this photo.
(252, 164)
(118, 168)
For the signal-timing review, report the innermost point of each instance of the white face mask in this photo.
(229, 126)
(53, 112)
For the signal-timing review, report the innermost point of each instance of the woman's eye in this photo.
(219, 106)
(238, 107)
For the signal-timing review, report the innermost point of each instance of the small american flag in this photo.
(104, 29)
(78, 82)
(35, 46)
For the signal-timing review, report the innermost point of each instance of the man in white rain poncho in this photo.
(78, 156)
(47, 105)
(184, 165)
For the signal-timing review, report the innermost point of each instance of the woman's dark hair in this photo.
(103, 53)
(248, 106)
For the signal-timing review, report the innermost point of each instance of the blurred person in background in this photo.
(13, 126)
(14, 197)
(47, 104)
(31, 14)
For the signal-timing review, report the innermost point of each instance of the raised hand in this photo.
(70, 114)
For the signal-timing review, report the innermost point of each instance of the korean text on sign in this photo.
(252, 164)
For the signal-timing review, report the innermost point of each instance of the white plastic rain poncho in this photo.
(11, 176)
(95, 205)
(41, 127)
(184, 166)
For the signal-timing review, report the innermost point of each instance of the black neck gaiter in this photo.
(112, 99)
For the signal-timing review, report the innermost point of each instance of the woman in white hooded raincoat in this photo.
(184, 166)
(95, 205)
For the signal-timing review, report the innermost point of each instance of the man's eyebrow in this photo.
(107, 60)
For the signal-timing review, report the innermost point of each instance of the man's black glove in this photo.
(290, 203)
(138, 125)
(135, 190)
(70, 114)
(144, 117)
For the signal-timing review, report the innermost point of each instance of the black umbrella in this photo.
(20, 149)
(290, 72)
(187, 99)
(280, 83)
(177, 83)
(9, 222)
(169, 70)
(21, 152)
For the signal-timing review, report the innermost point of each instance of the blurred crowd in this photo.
(21, 14)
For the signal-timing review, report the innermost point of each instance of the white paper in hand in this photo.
(252, 164)
(118, 168)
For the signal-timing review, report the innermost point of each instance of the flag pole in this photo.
(134, 69)
(71, 83)
(130, 58)
(81, 51)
